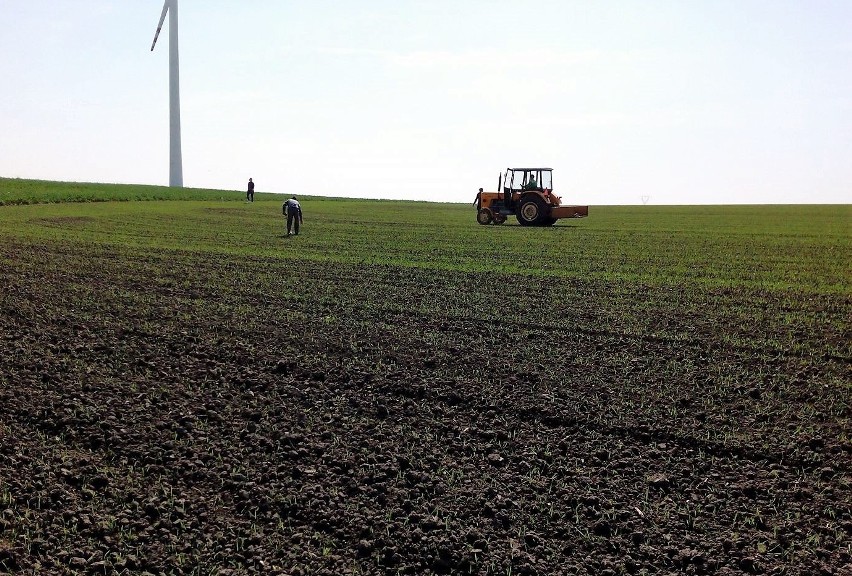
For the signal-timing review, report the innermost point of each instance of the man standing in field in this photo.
(250, 191)
(293, 210)
(478, 200)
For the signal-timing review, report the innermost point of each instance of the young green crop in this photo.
(789, 248)
(18, 191)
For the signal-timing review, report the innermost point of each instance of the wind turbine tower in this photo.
(175, 160)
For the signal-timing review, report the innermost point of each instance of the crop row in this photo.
(181, 412)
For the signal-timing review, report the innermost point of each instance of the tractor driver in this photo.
(531, 183)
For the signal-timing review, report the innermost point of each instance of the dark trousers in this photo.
(292, 218)
(250, 195)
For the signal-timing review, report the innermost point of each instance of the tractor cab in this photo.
(527, 194)
(520, 180)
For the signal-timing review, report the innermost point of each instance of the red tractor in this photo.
(527, 194)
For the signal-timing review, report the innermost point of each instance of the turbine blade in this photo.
(160, 25)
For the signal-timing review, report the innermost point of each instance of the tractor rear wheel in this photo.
(532, 211)
(484, 216)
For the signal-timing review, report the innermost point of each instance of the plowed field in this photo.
(183, 411)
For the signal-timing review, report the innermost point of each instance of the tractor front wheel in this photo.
(531, 211)
(499, 218)
(484, 216)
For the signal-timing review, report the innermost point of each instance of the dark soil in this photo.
(171, 414)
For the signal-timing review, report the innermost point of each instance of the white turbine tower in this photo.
(175, 161)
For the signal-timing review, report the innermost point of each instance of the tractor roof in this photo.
(529, 169)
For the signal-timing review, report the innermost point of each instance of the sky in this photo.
(630, 102)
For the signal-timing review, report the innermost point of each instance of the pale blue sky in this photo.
(684, 102)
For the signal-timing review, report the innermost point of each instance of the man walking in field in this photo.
(250, 191)
(293, 210)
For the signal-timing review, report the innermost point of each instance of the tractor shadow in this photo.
(555, 227)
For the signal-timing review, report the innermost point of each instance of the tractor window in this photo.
(518, 179)
(541, 178)
(517, 182)
(531, 182)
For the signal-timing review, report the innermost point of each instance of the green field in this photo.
(801, 249)
(399, 390)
